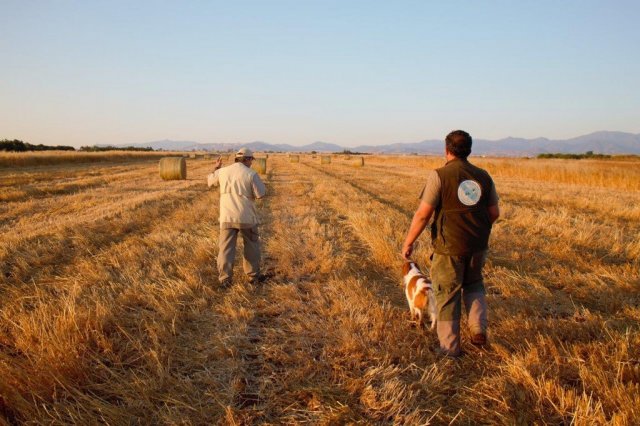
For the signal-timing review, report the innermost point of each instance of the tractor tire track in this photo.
(538, 263)
(56, 252)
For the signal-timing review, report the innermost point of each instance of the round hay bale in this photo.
(347, 157)
(192, 156)
(173, 168)
(260, 165)
(325, 159)
(358, 162)
(294, 158)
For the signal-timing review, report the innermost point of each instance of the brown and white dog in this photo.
(417, 288)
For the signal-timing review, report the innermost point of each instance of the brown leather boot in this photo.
(479, 339)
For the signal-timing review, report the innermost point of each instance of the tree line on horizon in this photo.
(16, 145)
(588, 154)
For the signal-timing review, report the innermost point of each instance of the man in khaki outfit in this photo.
(239, 186)
(464, 200)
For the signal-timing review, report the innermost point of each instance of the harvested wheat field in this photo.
(110, 310)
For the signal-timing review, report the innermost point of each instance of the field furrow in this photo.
(607, 204)
(328, 315)
(131, 328)
(114, 192)
(24, 186)
(520, 301)
(584, 251)
(46, 244)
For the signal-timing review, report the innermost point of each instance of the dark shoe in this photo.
(446, 354)
(225, 283)
(479, 339)
(260, 278)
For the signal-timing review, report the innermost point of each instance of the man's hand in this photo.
(407, 251)
(218, 163)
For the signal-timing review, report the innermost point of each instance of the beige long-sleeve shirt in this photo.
(239, 186)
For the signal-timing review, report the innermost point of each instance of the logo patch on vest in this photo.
(469, 192)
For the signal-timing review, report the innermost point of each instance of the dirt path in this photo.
(321, 339)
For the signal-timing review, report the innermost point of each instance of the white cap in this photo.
(244, 152)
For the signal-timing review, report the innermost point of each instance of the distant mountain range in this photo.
(599, 142)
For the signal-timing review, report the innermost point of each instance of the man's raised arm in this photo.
(212, 178)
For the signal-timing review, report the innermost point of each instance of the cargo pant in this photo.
(458, 278)
(227, 252)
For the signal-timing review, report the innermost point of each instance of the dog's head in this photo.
(408, 266)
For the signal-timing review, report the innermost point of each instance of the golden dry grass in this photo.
(110, 310)
(621, 173)
(42, 158)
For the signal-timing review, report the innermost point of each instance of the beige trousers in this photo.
(449, 331)
(227, 252)
(458, 279)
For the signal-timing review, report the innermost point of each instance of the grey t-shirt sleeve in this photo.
(493, 195)
(431, 192)
(259, 189)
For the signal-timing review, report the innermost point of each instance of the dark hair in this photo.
(459, 143)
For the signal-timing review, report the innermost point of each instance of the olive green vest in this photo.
(461, 223)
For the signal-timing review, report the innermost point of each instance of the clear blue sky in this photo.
(296, 71)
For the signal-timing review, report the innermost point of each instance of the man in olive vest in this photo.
(239, 186)
(463, 200)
